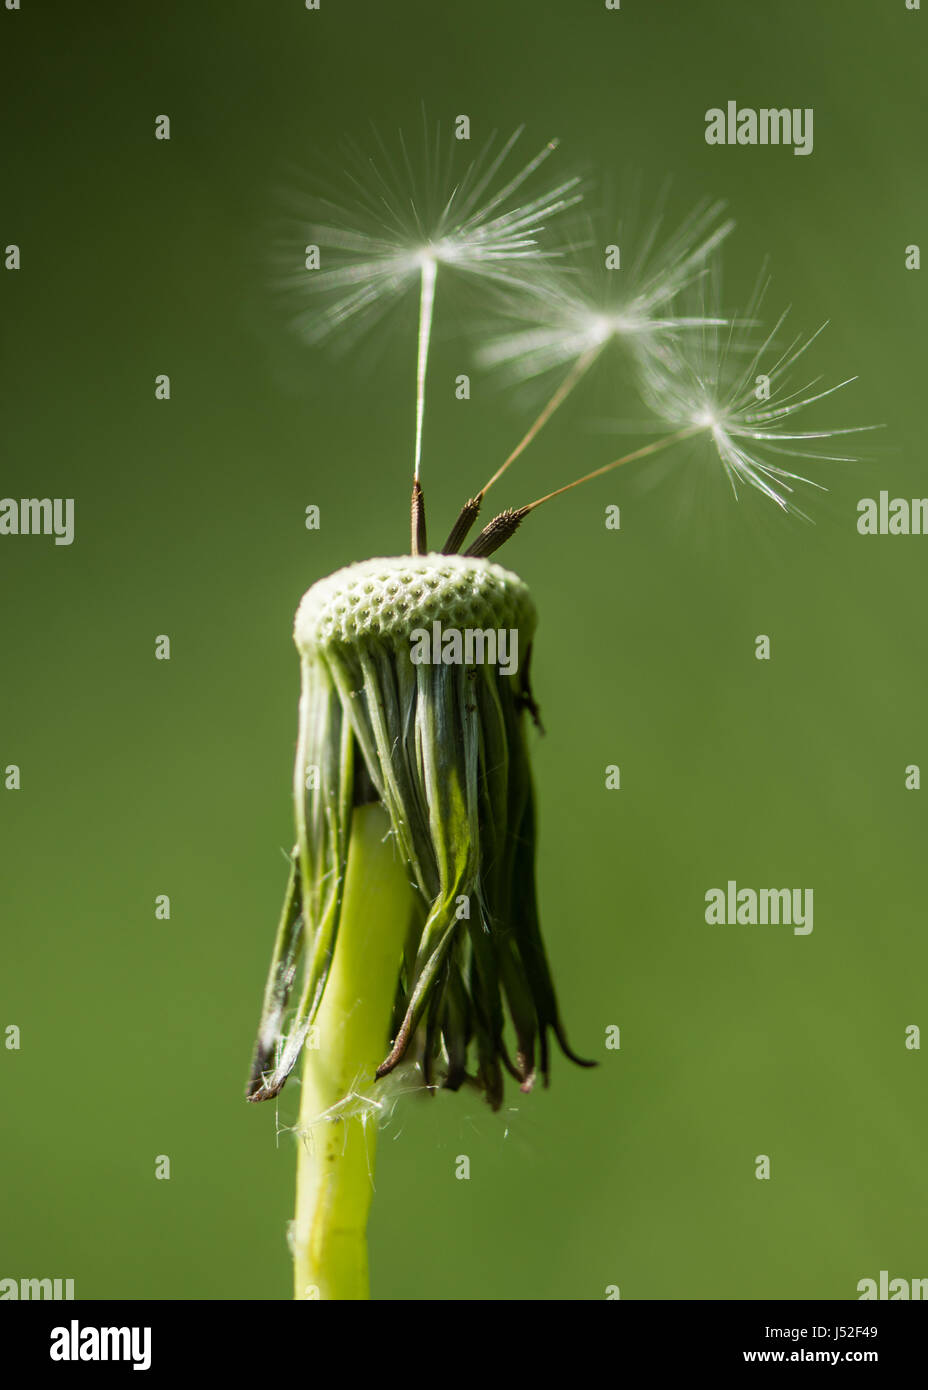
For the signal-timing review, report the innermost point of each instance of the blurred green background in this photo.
(142, 777)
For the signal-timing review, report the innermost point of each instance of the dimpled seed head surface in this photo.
(387, 598)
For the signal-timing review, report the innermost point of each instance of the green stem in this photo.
(338, 1137)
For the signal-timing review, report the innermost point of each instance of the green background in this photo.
(144, 777)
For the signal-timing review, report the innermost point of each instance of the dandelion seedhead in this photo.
(442, 748)
(410, 914)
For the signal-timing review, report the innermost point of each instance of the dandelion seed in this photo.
(393, 232)
(572, 315)
(378, 241)
(576, 317)
(710, 385)
(740, 394)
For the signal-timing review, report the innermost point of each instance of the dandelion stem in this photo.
(653, 448)
(426, 307)
(580, 367)
(499, 530)
(338, 1119)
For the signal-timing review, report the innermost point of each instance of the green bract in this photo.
(443, 748)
